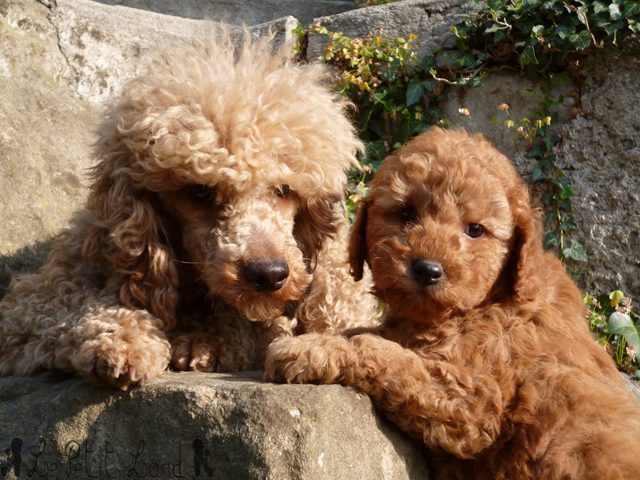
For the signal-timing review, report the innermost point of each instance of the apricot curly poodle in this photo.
(484, 354)
(214, 223)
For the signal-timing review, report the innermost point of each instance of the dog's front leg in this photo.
(115, 344)
(446, 406)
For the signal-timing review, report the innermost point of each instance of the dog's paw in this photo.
(211, 352)
(310, 358)
(122, 360)
(194, 351)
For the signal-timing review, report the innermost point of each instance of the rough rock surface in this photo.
(238, 12)
(477, 110)
(45, 131)
(106, 45)
(600, 153)
(248, 429)
(429, 19)
(633, 386)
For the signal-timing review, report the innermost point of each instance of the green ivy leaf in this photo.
(621, 324)
(564, 31)
(567, 192)
(528, 56)
(575, 252)
(429, 62)
(538, 29)
(614, 11)
(568, 223)
(415, 90)
(538, 174)
(551, 240)
(613, 28)
(581, 40)
(631, 8)
(599, 7)
(381, 99)
(393, 68)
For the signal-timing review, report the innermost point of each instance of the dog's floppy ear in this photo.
(358, 241)
(527, 256)
(314, 223)
(127, 239)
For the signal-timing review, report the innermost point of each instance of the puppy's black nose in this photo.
(426, 272)
(266, 276)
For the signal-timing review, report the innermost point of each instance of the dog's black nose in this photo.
(426, 272)
(266, 276)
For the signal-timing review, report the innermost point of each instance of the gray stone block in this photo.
(239, 12)
(247, 430)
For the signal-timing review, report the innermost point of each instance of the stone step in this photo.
(234, 426)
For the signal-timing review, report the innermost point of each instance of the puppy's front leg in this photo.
(444, 405)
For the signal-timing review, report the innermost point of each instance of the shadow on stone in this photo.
(25, 260)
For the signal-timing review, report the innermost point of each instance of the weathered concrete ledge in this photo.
(233, 426)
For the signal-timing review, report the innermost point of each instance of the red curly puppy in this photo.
(484, 354)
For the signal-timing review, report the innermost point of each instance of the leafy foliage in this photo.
(395, 96)
(557, 194)
(612, 318)
(384, 78)
(543, 34)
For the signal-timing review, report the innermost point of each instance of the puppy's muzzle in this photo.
(266, 276)
(426, 272)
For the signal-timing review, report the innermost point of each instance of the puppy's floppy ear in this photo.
(127, 239)
(314, 223)
(358, 241)
(527, 255)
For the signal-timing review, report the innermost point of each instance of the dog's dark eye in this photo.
(203, 193)
(283, 191)
(408, 214)
(474, 230)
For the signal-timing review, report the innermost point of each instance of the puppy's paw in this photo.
(310, 358)
(194, 351)
(212, 352)
(122, 362)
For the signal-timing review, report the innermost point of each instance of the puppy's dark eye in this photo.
(203, 193)
(283, 191)
(408, 214)
(474, 230)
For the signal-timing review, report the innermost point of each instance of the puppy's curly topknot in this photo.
(213, 223)
(484, 354)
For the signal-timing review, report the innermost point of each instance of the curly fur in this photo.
(222, 154)
(492, 366)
